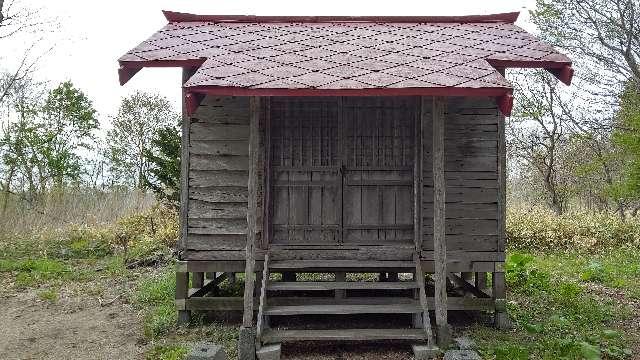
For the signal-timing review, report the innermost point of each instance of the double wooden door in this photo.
(341, 171)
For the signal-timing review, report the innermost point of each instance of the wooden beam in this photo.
(267, 203)
(250, 276)
(184, 165)
(426, 320)
(421, 120)
(502, 184)
(439, 226)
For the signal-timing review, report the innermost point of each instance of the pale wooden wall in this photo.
(219, 166)
(471, 173)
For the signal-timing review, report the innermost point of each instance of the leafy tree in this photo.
(163, 177)
(69, 120)
(42, 144)
(139, 118)
(627, 137)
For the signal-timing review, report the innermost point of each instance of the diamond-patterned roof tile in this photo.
(336, 54)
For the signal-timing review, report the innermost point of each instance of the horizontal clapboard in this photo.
(218, 175)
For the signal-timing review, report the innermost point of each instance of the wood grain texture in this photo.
(439, 197)
(252, 218)
(184, 165)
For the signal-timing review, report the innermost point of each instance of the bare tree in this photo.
(537, 133)
(603, 34)
(14, 21)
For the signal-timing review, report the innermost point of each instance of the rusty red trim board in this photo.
(192, 63)
(438, 91)
(172, 16)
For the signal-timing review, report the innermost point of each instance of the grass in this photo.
(556, 314)
(50, 295)
(561, 274)
(167, 352)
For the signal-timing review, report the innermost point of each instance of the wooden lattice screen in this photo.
(342, 170)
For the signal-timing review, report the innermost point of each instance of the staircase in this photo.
(385, 300)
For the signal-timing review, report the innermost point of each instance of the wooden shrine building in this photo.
(343, 145)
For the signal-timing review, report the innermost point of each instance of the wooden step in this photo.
(409, 308)
(276, 336)
(339, 285)
(339, 264)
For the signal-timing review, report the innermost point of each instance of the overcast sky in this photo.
(93, 34)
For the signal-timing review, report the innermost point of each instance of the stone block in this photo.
(269, 352)
(461, 355)
(421, 352)
(206, 351)
(247, 343)
(465, 343)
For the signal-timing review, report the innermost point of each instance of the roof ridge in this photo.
(510, 18)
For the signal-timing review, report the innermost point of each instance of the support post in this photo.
(501, 317)
(341, 276)
(247, 331)
(184, 165)
(182, 294)
(481, 281)
(197, 280)
(182, 276)
(439, 229)
(418, 177)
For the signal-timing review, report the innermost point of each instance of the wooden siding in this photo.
(218, 174)
(471, 173)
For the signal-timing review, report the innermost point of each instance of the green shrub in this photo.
(521, 275)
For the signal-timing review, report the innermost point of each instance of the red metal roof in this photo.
(251, 55)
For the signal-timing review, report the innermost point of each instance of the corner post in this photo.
(501, 316)
(184, 165)
(246, 343)
(439, 230)
(418, 181)
(182, 275)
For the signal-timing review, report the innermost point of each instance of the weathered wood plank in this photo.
(277, 336)
(219, 194)
(215, 131)
(418, 178)
(465, 195)
(252, 218)
(218, 226)
(215, 162)
(184, 164)
(205, 210)
(439, 228)
(216, 242)
(217, 178)
(465, 227)
(219, 147)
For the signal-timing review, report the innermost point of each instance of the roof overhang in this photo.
(559, 66)
(510, 18)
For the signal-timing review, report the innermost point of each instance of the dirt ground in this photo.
(72, 328)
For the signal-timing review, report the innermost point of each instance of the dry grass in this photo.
(71, 207)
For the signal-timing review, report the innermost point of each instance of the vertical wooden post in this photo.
(481, 281)
(249, 285)
(246, 343)
(182, 293)
(499, 291)
(439, 230)
(182, 276)
(341, 276)
(197, 280)
(184, 165)
(421, 119)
